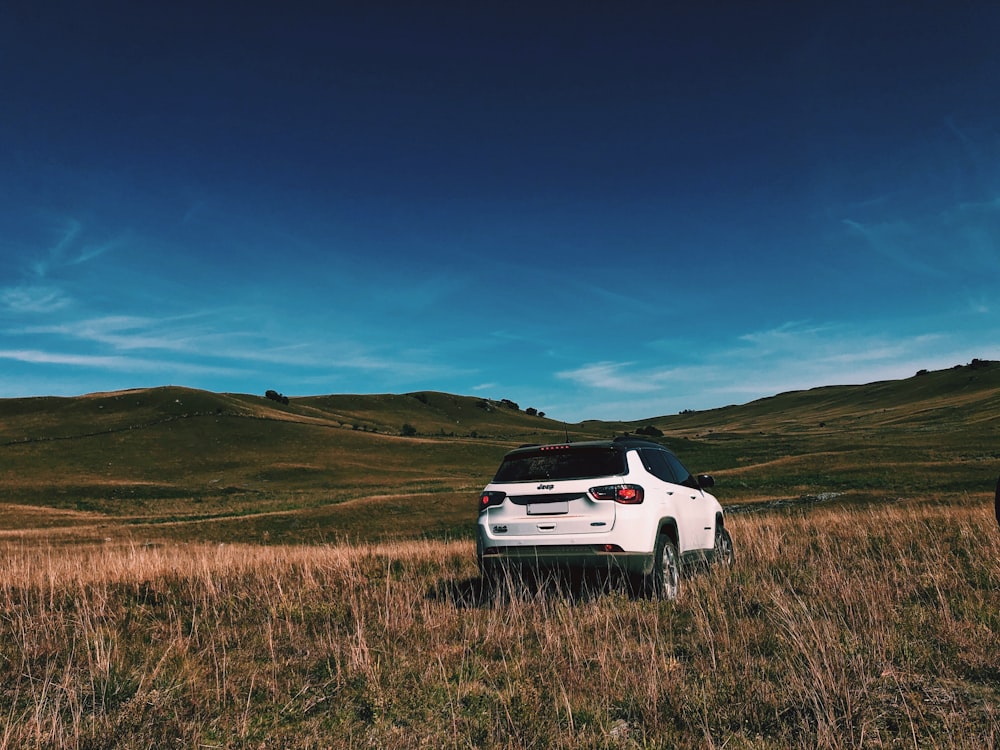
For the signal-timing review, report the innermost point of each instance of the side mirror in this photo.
(705, 481)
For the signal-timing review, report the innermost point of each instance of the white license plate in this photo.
(548, 509)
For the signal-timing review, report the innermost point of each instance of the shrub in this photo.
(275, 396)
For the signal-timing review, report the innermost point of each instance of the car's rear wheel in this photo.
(723, 552)
(664, 580)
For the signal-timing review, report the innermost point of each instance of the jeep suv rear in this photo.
(625, 506)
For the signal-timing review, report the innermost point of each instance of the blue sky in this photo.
(603, 211)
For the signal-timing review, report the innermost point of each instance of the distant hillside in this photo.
(959, 396)
(177, 462)
(934, 434)
(226, 465)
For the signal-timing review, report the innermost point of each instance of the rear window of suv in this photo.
(558, 462)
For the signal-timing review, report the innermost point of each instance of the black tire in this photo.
(664, 580)
(723, 552)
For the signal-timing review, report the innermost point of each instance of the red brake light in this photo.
(626, 494)
(489, 499)
(629, 495)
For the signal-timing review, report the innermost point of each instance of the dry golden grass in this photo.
(838, 628)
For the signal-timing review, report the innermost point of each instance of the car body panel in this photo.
(565, 508)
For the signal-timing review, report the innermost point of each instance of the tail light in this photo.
(489, 499)
(626, 494)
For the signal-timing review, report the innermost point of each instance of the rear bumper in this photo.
(572, 557)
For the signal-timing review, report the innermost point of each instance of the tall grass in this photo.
(840, 628)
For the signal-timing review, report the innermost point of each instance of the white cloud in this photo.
(121, 332)
(611, 376)
(788, 335)
(33, 299)
(207, 336)
(114, 363)
(38, 357)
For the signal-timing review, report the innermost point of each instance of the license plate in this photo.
(548, 509)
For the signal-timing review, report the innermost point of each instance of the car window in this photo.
(568, 463)
(683, 475)
(655, 462)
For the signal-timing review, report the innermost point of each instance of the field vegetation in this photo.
(187, 569)
(871, 628)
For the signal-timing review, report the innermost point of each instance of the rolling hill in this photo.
(179, 463)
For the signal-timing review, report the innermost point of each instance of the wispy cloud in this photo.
(40, 291)
(626, 304)
(948, 229)
(805, 347)
(787, 336)
(33, 299)
(208, 340)
(980, 305)
(38, 357)
(89, 252)
(122, 332)
(613, 376)
(895, 241)
(112, 363)
(68, 233)
(986, 207)
(70, 249)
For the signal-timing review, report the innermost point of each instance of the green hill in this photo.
(180, 463)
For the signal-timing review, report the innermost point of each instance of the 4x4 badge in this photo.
(545, 487)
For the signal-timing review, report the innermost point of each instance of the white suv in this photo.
(625, 506)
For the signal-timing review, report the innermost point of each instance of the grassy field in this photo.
(875, 627)
(187, 569)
